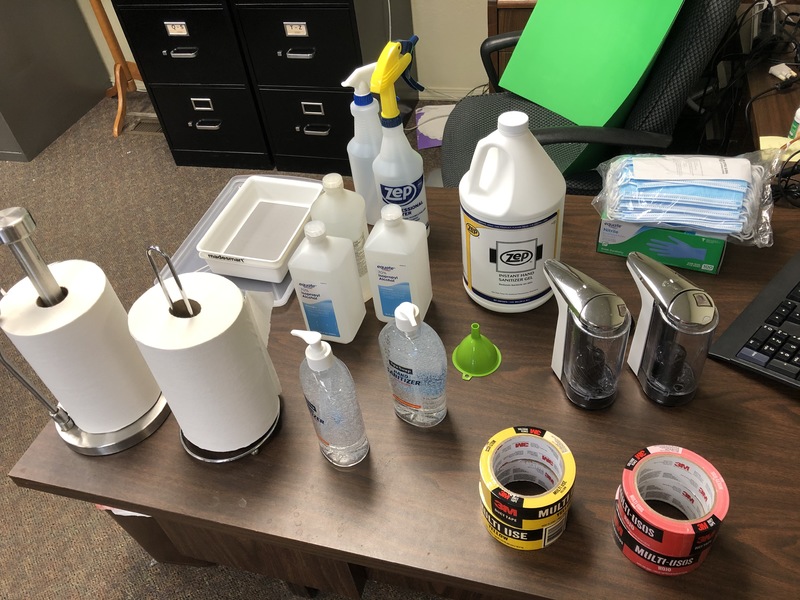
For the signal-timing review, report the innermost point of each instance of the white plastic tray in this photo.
(256, 233)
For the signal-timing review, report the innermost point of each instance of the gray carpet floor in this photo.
(103, 199)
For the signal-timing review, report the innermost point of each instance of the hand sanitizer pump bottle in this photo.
(365, 145)
(331, 400)
(343, 213)
(416, 364)
(398, 167)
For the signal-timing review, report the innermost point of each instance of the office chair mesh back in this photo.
(689, 47)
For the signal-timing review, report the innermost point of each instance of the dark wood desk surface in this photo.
(412, 508)
(771, 114)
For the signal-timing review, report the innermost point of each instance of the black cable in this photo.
(787, 187)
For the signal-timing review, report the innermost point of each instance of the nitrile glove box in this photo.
(673, 247)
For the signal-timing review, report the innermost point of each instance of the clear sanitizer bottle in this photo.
(398, 264)
(344, 216)
(331, 400)
(416, 364)
(325, 278)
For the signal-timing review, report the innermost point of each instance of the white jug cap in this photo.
(513, 122)
(332, 182)
(391, 214)
(315, 231)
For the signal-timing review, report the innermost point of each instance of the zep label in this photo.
(410, 197)
(503, 262)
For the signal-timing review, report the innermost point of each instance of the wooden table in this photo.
(410, 513)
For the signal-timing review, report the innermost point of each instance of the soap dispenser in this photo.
(673, 333)
(591, 335)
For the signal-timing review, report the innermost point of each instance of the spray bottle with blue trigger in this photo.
(365, 145)
(398, 169)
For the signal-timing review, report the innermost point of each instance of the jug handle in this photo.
(481, 151)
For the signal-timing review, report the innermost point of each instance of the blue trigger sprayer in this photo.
(398, 168)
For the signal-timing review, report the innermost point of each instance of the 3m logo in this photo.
(516, 257)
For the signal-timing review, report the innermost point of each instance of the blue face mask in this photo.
(706, 193)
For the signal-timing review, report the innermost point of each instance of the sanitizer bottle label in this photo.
(503, 263)
(410, 197)
(318, 308)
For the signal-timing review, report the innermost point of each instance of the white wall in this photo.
(448, 62)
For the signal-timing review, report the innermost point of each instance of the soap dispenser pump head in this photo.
(406, 317)
(318, 353)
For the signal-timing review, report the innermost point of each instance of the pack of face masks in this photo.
(713, 194)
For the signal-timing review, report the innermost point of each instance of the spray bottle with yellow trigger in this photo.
(398, 167)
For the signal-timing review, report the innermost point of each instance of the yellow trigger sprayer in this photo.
(398, 167)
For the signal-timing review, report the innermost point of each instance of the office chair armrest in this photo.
(494, 44)
(602, 135)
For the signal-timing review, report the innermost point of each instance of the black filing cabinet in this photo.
(252, 84)
(191, 62)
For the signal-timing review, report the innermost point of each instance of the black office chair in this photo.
(687, 50)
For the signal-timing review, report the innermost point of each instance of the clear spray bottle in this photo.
(363, 148)
(331, 400)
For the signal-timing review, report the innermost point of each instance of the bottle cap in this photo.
(391, 214)
(406, 317)
(318, 353)
(513, 122)
(476, 355)
(315, 231)
(333, 183)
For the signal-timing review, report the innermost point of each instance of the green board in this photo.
(582, 59)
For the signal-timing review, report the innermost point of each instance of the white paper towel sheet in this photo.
(81, 349)
(213, 368)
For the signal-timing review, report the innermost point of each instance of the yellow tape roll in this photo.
(527, 455)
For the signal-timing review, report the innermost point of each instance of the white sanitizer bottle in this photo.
(331, 401)
(416, 364)
(325, 278)
(512, 210)
(398, 264)
(365, 144)
(344, 216)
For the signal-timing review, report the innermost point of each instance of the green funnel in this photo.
(476, 355)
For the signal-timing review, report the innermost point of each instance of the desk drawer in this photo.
(308, 122)
(206, 118)
(183, 45)
(300, 47)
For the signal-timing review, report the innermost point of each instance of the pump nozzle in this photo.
(318, 353)
(359, 80)
(393, 63)
(405, 316)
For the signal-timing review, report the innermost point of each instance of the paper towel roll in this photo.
(81, 349)
(212, 367)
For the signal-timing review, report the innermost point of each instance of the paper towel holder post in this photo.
(95, 444)
(190, 310)
(16, 227)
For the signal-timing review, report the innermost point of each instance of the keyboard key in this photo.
(795, 316)
(795, 293)
(784, 368)
(783, 355)
(776, 318)
(769, 350)
(763, 333)
(757, 358)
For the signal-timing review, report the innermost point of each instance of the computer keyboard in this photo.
(765, 337)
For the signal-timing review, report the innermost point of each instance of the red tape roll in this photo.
(685, 481)
(649, 560)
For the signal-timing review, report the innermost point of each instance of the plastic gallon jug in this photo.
(512, 211)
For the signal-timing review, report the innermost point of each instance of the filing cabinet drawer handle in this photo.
(301, 53)
(317, 130)
(184, 52)
(208, 124)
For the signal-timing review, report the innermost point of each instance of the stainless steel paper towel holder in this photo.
(16, 227)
